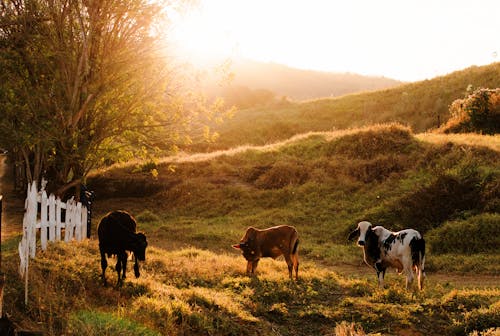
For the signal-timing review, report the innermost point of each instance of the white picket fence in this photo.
(49, 221)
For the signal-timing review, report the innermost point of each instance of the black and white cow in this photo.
(403, 250)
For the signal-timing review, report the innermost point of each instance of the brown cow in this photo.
(272, 242)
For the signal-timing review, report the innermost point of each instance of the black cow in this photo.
(117, 235)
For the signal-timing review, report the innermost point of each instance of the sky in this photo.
(401, 39)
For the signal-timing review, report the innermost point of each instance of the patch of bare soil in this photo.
(432, 278)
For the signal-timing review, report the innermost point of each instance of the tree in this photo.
(85, 81)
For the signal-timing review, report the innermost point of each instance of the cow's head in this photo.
(247, 239)
(364, 229)
(247, 243)
(139, 246)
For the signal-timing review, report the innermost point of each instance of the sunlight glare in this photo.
(401, 40)
(201, 37)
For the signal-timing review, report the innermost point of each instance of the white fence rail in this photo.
(45, 213)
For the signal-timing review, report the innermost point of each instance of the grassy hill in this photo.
(420, 105)
(193, 282)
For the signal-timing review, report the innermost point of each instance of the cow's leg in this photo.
(136, 267)
(104, 265)
(118, 268)
(295, 259)
(380, 274)
(380, 277)
(124, 264)
(249, 267)
(420, 273)
(289, 263)
(409, 277)
(421, 278)
(254, 265)
(121, 264)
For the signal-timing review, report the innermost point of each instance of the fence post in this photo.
(68, 232)
(44, 224)
(84, 220)
(52, 218)
(78, 221)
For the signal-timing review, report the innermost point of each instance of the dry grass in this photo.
(193, 283)
(469, 139)
(192, 291)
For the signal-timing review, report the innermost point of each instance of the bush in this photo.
(479, 112)
(446, 197)
(480, 320)
(479, 234)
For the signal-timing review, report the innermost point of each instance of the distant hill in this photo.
(421, 105)
(297, 84)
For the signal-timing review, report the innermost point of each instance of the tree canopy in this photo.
(88, 82)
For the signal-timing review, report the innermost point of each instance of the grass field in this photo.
(194, 207)
(423, 106)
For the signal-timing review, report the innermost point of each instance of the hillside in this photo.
(297, 84)
(326, 181)
(421, 105)
(194, 283)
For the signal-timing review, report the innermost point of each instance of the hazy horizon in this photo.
(407, 41)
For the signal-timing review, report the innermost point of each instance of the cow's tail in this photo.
(295, 247)
(294, 244)
(417, 246)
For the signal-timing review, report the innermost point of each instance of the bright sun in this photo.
(203, 34)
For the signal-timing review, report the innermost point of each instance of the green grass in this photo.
(193, 291)
(421, 105)
(194, 283)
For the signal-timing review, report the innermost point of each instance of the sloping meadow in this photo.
(323, 184)
(194, 283)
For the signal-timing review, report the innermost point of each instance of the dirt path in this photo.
(452, 280)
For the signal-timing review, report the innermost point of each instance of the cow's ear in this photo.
(237, 246)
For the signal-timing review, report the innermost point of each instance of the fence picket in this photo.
(52, 218)
(44, 223)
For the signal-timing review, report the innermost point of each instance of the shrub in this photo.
(449, 195)
(479, 234)
(480, 320)
(479, 112)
